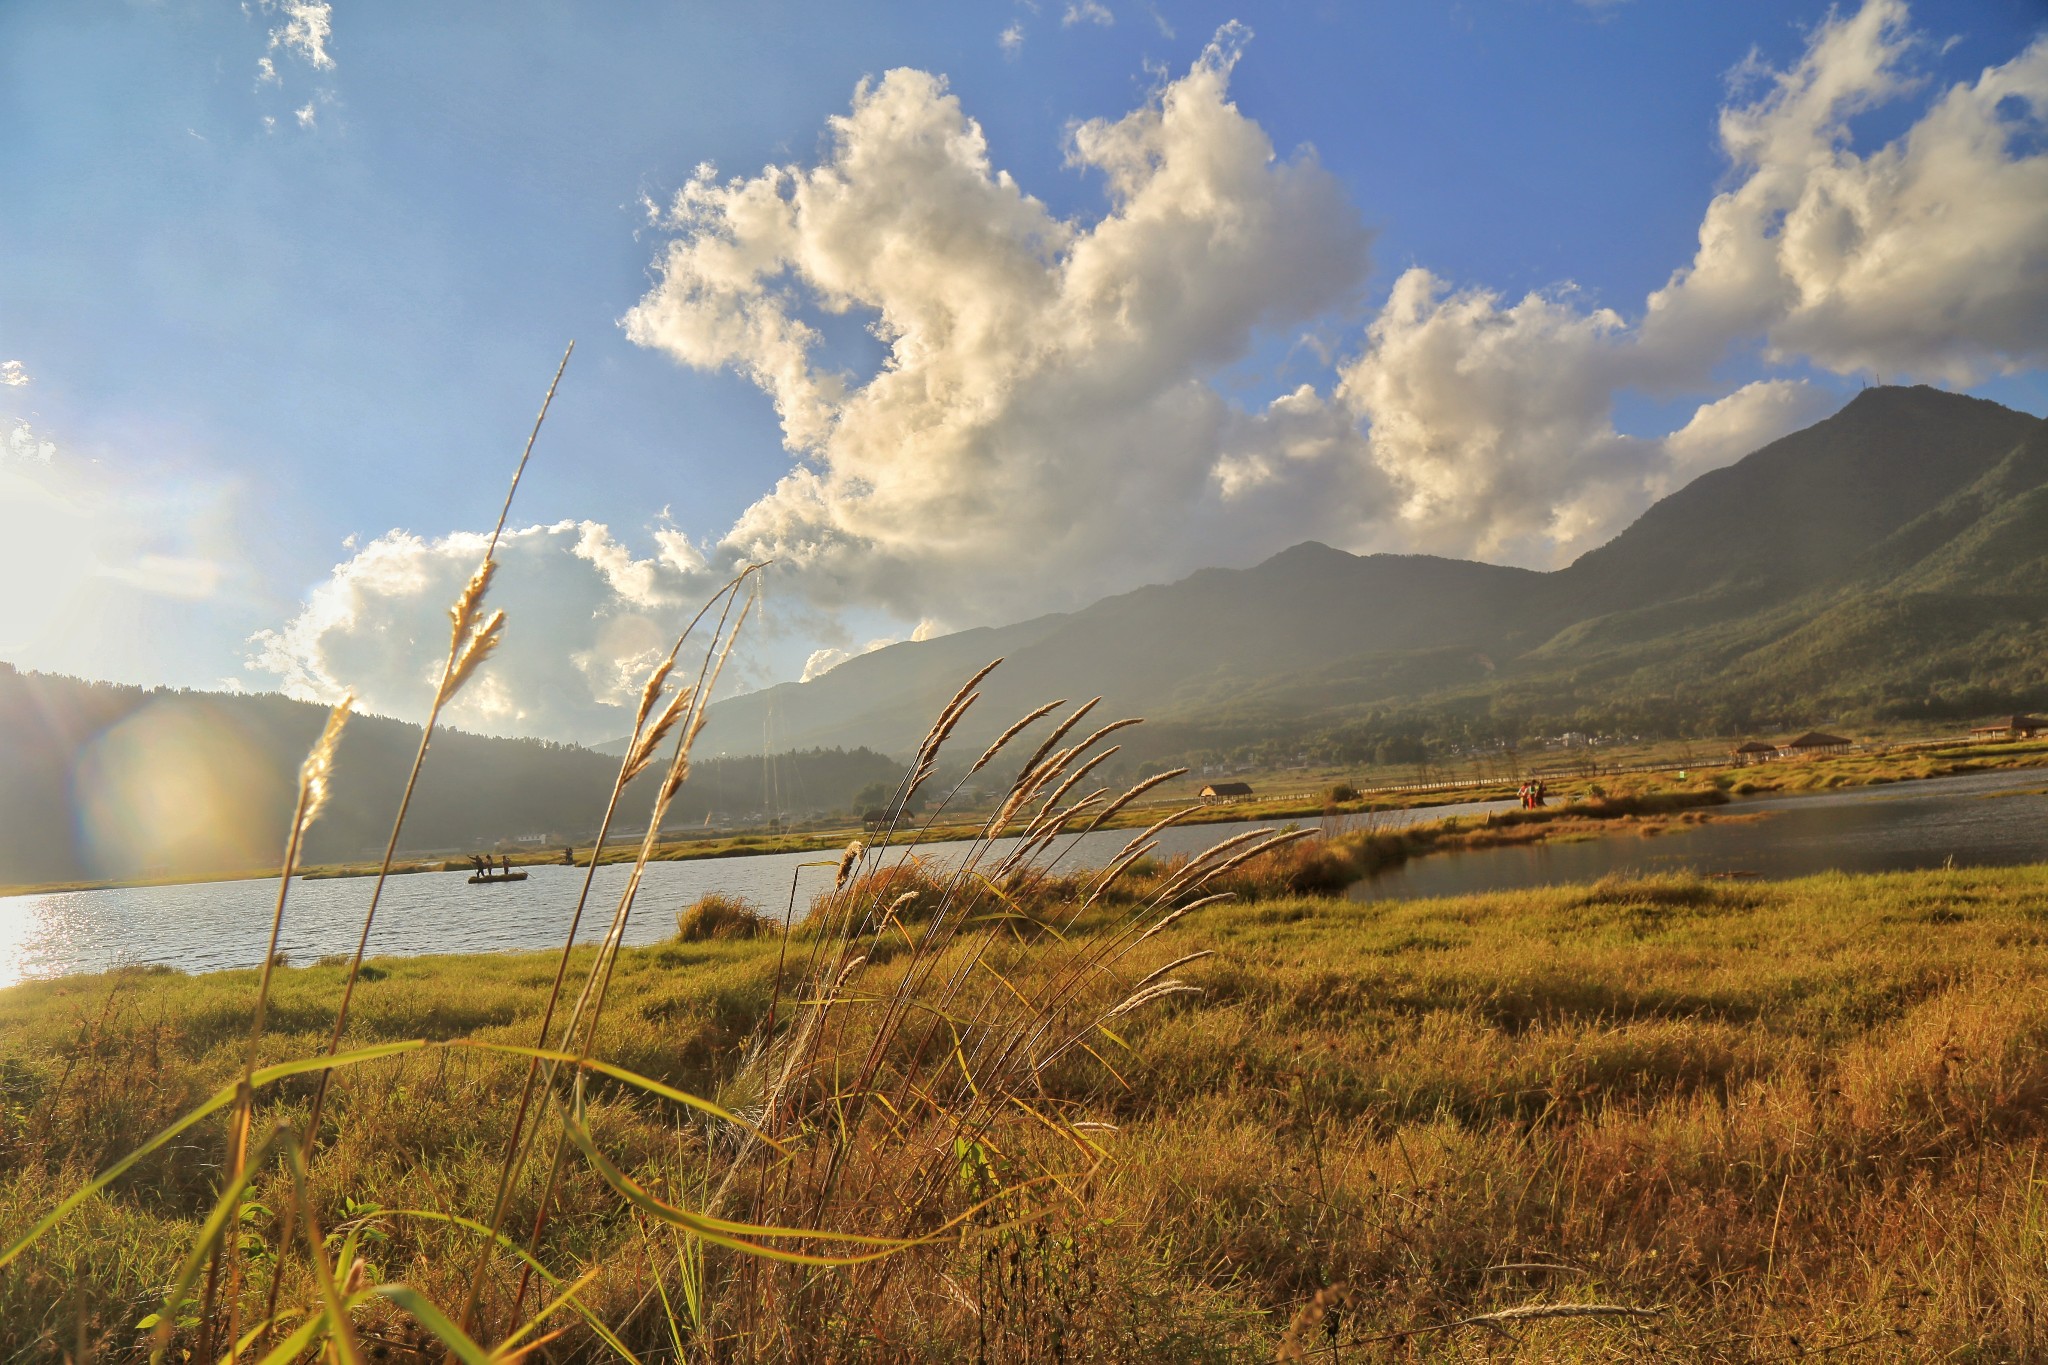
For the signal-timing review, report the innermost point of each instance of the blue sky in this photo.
(257, 340)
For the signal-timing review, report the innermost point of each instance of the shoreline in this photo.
(1783, 778)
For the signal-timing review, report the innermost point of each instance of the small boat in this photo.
(491, 878)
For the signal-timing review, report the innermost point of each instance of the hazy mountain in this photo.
(105, 781)
(1890, 552)
(1891, 560)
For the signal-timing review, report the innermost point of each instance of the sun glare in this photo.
(172, 790)
(45, 552)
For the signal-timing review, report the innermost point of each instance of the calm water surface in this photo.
(214, 925)
(1978, 820)
(1983, 819)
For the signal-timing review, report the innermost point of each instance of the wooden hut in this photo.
(1814, 744)
(1755, 751)
(1221, 792)
(877, 819)
(2009, 727)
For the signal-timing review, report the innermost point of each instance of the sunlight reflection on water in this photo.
(213, 925)
(1977, 820)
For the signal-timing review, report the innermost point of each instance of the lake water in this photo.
(1981, 819)
(212, 925)
(1978, 820)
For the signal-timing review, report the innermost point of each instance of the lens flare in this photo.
(176, 790)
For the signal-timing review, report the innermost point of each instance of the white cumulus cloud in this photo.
(1048, 422)
(1723, 431)
(1043, 421)
(13, 374)
(1926, 257)
(585, 620)
(1087, 12)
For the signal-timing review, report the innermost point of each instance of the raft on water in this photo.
(476, 878)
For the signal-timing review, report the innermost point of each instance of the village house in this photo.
(2009, 727)
(879, 819)
(1218, 793)
(1813, 744)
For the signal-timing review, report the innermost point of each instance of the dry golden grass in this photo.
(721, 917)
(900, 1093)
(995, 1110)
(1805, 1113)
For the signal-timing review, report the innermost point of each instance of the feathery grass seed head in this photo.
(479, 647)
(651, 692)
(316, 774)
(463, 615)
(1006, 736)
(1134, 793)
(643, 752)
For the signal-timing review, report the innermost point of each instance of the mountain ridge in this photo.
(1738, 560)
(1753, 596)
(107, 781)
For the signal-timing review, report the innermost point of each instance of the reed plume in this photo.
(691, 705)
(316, 778)
(468, 646)
(1006, 736)
(640, 752)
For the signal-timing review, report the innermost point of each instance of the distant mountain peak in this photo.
(1307, 552)
(1314, 631)
(1893, 397)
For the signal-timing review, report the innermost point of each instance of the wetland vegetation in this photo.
(1792, 1117)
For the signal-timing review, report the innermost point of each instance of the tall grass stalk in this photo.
(598, 980)
(640, 751)
(316, 777)
(471, 640)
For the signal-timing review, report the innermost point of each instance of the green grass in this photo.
(1799, 1116)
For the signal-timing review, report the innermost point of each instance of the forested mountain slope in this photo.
(105, 781)
(1886, 560)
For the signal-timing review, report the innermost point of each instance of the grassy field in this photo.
(1880, 765)
(996, 1110)
(1795, 1119)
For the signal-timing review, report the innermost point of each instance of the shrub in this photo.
(719, 916)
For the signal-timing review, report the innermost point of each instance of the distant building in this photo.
(2009, 727)
(1219, 792)
(1813, 744)
(1756, 751)
(876, 819)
